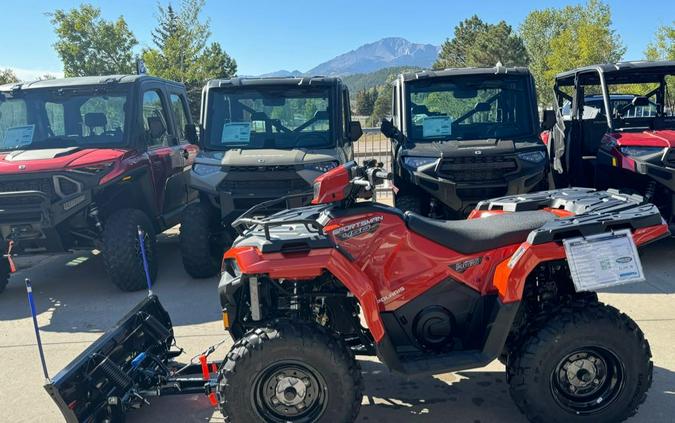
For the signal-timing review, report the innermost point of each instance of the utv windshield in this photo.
(269, 117)
(469, 108)
(56, 118)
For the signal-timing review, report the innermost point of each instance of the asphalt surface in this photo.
(76, 302)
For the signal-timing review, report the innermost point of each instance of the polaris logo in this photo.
(390, 296)
(22, 167)
(623, 260)
(477, 152)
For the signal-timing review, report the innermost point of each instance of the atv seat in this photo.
(475, 235)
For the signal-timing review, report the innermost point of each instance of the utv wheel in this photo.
(122, 252)
(291, 371)
(408, 202)
(202, 241)
(5, 272)
(589, 363)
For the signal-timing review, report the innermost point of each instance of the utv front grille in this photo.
(276, 168)
(250, 187)
(481, 193)
(477, 168)
(44, 185)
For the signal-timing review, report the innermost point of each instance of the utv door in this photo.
(180, 114)
(165, 154)
(346, 143)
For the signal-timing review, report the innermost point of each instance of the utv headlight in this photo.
(205, 169)
(417, 162)
(322, 167)
(533, 156)
(639, 151)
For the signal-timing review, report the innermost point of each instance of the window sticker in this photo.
(236, 133)
(18, 136)
(436, 126)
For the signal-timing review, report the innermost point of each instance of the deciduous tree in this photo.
(90, 45)
(561, 39)
(7, 76)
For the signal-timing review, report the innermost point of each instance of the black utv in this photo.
(463, 135)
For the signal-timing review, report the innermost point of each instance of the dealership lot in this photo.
(75, 304)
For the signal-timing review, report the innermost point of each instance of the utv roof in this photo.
(291, 80)
(618, 73)
(82, 81)
(496, 70)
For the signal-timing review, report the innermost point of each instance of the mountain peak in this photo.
(384, 53)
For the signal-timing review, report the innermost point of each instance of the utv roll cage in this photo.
(613, 74)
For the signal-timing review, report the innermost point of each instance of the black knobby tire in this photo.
(5, 272)
(316, 354)
(202, 240)
(588, 363)
(122, 252)
(408, 202)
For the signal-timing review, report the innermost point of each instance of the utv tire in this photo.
(122, 252)
(588, 363)
(291, 371)
(202, 241)
(5, 272)
(408, 202)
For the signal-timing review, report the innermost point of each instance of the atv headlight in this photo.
(322, 167)
(533, 156)
(639, 151)
(202, 169)
(417, 162)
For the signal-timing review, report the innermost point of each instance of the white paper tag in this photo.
(236, 133)
(436, 126)
(18, 136)
(603, 260)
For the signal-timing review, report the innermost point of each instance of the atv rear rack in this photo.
(594, 212)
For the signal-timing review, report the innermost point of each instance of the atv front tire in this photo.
(588, 363)
(122, 252)
(291, 371)
(203, 239)
(408, 202)
(5, 272)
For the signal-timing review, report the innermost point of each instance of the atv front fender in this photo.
(311, 265)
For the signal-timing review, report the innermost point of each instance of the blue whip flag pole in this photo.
(141, 243)
(33, 312)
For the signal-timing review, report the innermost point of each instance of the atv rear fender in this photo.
(511, 274)
(312, 265)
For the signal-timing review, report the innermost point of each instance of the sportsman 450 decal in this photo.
(369, 225)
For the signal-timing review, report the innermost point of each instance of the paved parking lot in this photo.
(76, 303)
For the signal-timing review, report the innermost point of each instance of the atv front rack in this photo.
(593, 212)
(248, 220)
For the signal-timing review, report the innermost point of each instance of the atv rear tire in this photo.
(203, 239)
(5, 272)
(588, 363)
(408, 202)
(291, 371)
(122, 252)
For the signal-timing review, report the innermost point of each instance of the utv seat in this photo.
(476, 235)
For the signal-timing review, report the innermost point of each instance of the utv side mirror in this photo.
(191, 133)
(548, 121)
(355, 130)
(156, 126)
(390, 131)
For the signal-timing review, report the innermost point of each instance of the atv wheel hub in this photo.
(291, 391)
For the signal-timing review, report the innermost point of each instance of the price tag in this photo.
(603, 260)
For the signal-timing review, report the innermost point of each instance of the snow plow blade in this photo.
(119, 369)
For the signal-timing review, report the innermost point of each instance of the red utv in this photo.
(513, 282)
(614, 127)
(85, 161)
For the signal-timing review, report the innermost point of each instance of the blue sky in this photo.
(266, 35)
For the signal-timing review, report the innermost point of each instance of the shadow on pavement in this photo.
(77, 293)
(469, 397)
